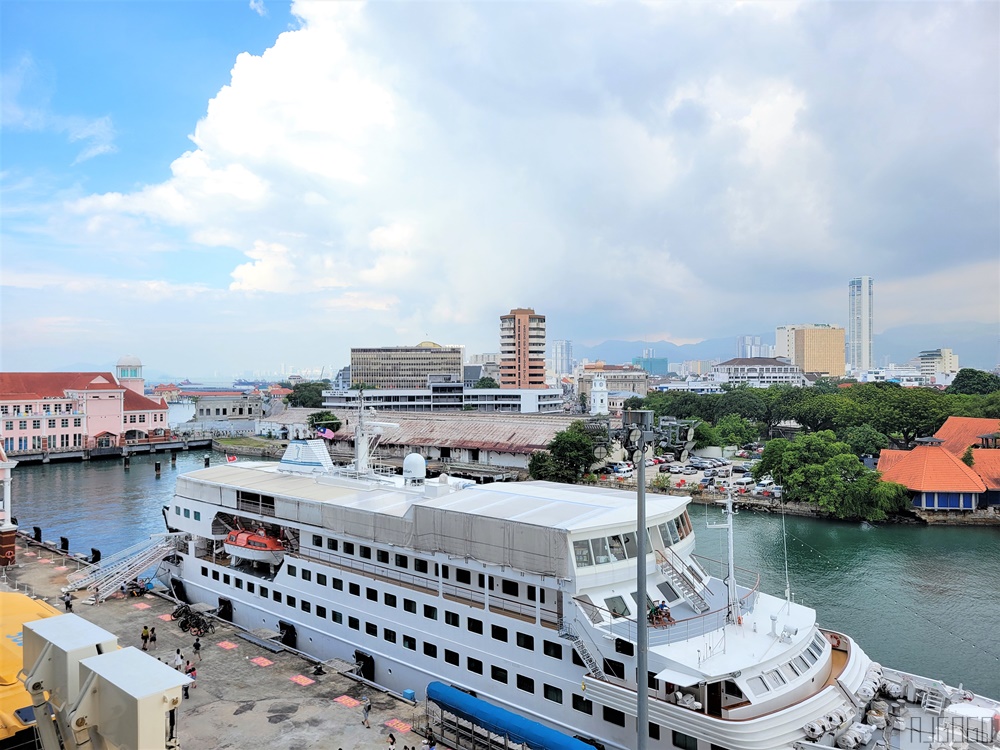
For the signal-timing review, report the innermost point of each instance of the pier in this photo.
(129, 448)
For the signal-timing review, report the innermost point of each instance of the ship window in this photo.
(353, 623)
(732, 689)
(419, 565)
(552, 649)
(444, 572)
(263, 591)
(532, 593)
(499, 674)
(654, 731)
(814, 650)
(463, 576)
(482, 581)
(616, 605)
(553, 694)
(651, 682)
(430, 612)
(684, 741)
(402, 561)
(331, 544)
(371, 595)
(389, 599)
(757, 685)
(305, 606)
(526, 641)
(614, 716)
(576, 659)
(250, 587)
(336, 617)
(215, 575)
(276, 595)
(510, 588)
(239, 583)
(204, 571)
(382, 556)
(499, 633)
(617, 547)
(348, 548)
(291, 570)
(800, 665)
(321, 579)
(630, 546)
(581, 548)
(474, 665)
(321, 611)
(601, 553)
(525, 683)
(409, 642)
(197, 515)
(474, 625)
(371, 629)
(451, 657)
(389, 635)
(452, 618)
(306, 575)
(791, 672)
(354, 589)
(177, 510)
(410, 606)
(187, 512)
(430, 650)
(290, 600)
(583, 705)
(337, 584)
(775, 679)
(365, 552)
(614, 668)
(317, 540)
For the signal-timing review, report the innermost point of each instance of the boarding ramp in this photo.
(107, 577)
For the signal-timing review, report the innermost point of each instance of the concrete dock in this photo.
(246, 696)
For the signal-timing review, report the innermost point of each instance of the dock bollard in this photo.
(156, 468)
(37, 533)
(127, 462)
(208, 460)
(64, 544)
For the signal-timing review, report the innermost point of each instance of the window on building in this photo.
(321, 579)
(371, 594)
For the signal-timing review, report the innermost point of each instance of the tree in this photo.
(744, 401)
(974, 382)
(967, 458)
(633, 402)
(306, 394)
(325, 419)
(486, 382)
(584, 400)
(865, 440)
(913, 412)
(733, 429)
(569, 455)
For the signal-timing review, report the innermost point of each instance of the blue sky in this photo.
(227, 186)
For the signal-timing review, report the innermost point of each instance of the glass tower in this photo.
(860, 324)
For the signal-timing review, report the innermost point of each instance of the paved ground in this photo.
(239, 702)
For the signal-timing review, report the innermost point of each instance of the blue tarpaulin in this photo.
(500, 721)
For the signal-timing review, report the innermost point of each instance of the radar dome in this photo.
(414, 467)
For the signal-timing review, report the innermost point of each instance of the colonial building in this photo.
(758, 372)
(616, 378)
(450, 396)
(51, 412)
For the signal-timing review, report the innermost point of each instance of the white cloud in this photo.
(257, 6)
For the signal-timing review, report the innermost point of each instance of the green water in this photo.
(925, 600)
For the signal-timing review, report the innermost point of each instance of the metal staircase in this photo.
(112, 573)
(934, 701)
(682, 581)
(595, 669)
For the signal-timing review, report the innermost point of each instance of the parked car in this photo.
(666, 469)
(676, 469)
(763, 486)
(739, 469)
(689, 470)
(709, 473)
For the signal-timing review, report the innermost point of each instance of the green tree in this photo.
(568, 457)
(914, 412)
(968, 458)
(326, 419)
(486, 382)
(974, 382)
(865, 440)
(733, 429)
(743, 401)
(308, 394)
(584, 400)
(634, 402)
(705, 435)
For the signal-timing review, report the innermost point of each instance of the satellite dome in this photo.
(130, 360)
(414, 467)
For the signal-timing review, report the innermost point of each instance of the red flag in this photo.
(230, 459)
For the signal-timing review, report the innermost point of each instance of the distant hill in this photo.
(976, 344)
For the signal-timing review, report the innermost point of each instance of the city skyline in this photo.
(295, 180)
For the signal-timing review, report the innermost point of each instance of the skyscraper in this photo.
(522, 349)
(860, 324)
(562, 356)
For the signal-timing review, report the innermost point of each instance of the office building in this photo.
(758, 372)
(820, 349)
(522, 349)
(562, 357)
(860, 324)
(935, 363)
(404, 366)
(749, 347)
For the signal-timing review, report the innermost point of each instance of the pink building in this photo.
(71, 411)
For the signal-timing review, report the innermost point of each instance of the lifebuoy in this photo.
(9, 554)
(834, 639)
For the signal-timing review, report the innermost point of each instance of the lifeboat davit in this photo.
(255, 546)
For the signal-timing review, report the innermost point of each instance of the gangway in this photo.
(118, 569)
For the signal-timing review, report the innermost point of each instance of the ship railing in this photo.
(622, 626)
(380, 571)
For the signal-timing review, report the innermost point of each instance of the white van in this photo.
(745, 484)
(763, 485)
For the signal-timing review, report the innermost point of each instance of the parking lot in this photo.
(708, 474)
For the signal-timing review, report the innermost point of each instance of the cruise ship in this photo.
(514, 606)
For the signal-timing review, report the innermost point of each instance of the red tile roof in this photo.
(34, 385)
(888, 458)
(958, 433)
(987, 466)
(932, 468)
(137, 402)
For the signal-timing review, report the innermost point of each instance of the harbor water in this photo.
(921, 599)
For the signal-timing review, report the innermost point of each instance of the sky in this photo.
(219, 187)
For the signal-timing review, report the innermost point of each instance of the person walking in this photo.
(145, 638)
(68, 602)
(178, 661)
(191, 671)
(366, 708)
(152, 638)
(197, 648)
(391, 740)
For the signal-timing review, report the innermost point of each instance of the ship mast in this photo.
(733, 609)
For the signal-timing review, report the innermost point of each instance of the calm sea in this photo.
(926, 600)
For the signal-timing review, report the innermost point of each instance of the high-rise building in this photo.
(405, 366)
(860, 326)
(522, 349)
(784, 339)
(935, 362)
(820, 348)
(750, 347)
(562, 356)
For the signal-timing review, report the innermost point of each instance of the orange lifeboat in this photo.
(255, 546)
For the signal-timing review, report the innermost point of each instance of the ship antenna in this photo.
(733, 615)
(784, 541)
